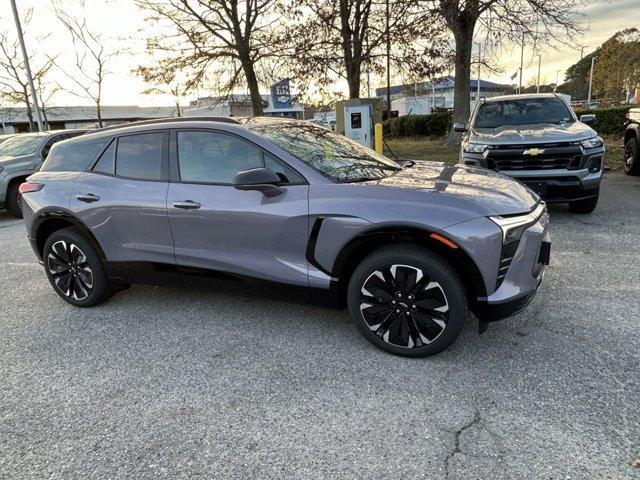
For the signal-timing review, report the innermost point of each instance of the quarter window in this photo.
(140, 156)
(107, 161)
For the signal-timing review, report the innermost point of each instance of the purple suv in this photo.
(408, 248)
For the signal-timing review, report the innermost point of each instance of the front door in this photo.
(220, 229)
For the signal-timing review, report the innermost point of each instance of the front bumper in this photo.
(523, 277)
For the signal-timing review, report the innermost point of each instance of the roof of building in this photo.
(88, 113)
(443, 83)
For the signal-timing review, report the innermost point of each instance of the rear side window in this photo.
(140, 156)
(107, 161)
(71, 158)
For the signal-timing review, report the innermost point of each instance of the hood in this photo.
(503, 195)
(532, 134)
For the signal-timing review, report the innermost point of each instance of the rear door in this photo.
(122, 200)
(220, 229)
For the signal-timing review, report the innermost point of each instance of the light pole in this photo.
(582, 51)
(479, 60)
(388, 61)
(538, 82)
(521, 63)
(556, 85)
(26, 64)
(593, 61)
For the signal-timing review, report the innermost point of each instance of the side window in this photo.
(140, 156)
(286, 173)
(47, 146)
(73, 157)
(214, 157)
(107, 161)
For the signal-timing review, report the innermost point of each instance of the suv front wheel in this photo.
(631, 157)
(407, 300)
(74, 269)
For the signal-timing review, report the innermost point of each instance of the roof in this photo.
(443, 83)
(88, 113)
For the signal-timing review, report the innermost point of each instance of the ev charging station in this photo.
(357, 117)
(358, 124)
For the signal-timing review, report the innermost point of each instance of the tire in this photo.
(381, 296)
(74, 269)
(631, 157)
(13, 208)
(584, 206)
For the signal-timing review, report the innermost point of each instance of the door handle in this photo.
(88, 198)
(187, 205)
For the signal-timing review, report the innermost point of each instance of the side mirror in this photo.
(261, 179)
(459, 127)
(588, 119)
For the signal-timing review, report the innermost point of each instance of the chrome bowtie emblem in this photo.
(533, 151)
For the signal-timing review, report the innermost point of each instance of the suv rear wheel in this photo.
(74, 269)
(631, 157)
(407, 300)
(13, 207)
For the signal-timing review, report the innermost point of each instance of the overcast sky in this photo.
(121, 19)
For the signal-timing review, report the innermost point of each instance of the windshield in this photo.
(523, 112)
(333, 155)
(18, 146)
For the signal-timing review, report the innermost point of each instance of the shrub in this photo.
(434, 125)
(608, 120)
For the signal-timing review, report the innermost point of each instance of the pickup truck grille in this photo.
(537, 157)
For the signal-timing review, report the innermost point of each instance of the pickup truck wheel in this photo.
(74, 269)
(13, 208)
(584, 206)
(407, 300)
(631, 157)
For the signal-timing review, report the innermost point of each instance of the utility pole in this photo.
(538, 82)
(388, 61)
(521, 63)
(593, 61)
(557, 79)
(479, 60)
(582, 51)
(26, 65)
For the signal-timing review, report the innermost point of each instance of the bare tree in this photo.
(164, 82)
(220, 41)
(91, 56)
(341, 38)
(14, 85)
(540, 21)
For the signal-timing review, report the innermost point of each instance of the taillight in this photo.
(28, 188)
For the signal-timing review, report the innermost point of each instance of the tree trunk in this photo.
(353, 79)
(99, 114)
(254, 89)
(463, 35)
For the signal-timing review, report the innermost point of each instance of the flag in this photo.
(513, 77)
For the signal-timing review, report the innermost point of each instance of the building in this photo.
(15, 120)
(236, 105)
(425, 97)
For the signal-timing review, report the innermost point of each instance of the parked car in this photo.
(538, 140)
(632, 143)
(6, 137)
(20, 156)
(408, 248)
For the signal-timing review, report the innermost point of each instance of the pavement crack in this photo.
(456, 439)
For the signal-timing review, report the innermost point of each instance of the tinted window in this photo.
(140, 156)
(71, 158)
(527, 111)
(214, 157)
(107, 161)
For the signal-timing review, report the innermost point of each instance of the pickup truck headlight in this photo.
(513, 227)
(476, 147)
(591, 142)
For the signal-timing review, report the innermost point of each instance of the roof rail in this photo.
(169, 120)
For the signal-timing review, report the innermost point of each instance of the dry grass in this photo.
(437, 150)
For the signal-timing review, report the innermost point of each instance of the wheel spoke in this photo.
(389, 322)
(418, 340)
(60, 249)
(375, 315)
(429, 327)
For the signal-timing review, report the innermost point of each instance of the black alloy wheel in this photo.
(407, 300)
(74, 269)
(631, 157)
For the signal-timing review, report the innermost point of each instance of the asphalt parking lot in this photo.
(172, 383)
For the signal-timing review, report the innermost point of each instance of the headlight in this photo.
(513, 227)
(591, 142)
(476, 147)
